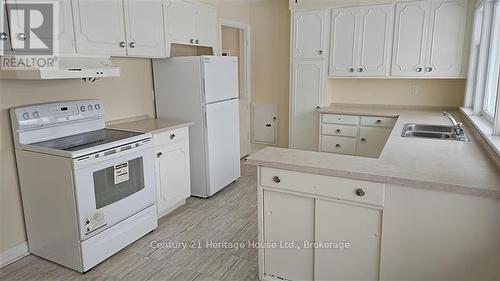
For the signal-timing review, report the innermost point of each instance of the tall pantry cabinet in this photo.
(309, 53)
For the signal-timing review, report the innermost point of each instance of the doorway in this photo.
(235, 41)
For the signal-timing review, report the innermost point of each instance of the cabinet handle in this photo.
(338, 145)
(378, 121)
(360, 192)
(338, 131)
(363, 140)
(197, 41)
(132, 45)
(351, 69)
(317, 107)
(3, 36)
(191, 41)
(22, 36)
(159, 155)
(320, 52)
(428, 69)
(276, 179)
(360, 69)
(418, 69)
(122, 44)
(172, 136)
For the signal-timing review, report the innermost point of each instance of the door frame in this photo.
(244, 64)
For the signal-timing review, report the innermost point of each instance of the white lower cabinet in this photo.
(358, 226)
(173, 184)
(287, 219)
(372, 141)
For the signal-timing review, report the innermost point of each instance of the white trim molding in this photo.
(13, 254)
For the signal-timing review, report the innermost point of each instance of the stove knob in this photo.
(82, 108)
(89, 107)
(26, 116)
(36, 115)
(97, 106)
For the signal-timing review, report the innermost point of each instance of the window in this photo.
(491, 89)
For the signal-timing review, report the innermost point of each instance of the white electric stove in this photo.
(87, 191)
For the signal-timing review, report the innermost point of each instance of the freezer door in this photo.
(220, 76)
(223, 144)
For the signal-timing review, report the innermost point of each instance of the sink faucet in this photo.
(458, 126)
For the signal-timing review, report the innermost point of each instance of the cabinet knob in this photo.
(191, 41)
(197, 41)
(418, 69)
(337, 145)
(276, 179)
(159, 154)
(351, 69)
(122, 44)
(378, 121)
(320, 52)
(3, 36)
(172, 136)
(22, 36)
(338, 131)
(361, 69)
(360, 192)
(363, 140)
(317, 107)
(428, 69)
(132, 44)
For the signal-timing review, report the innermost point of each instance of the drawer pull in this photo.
(360, 192)
(378, 121)
(276, 179)
(363, 140)
(338, 131)
(337, 145)
(172, 136)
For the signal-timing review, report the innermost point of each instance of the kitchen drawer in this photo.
(339, 130)
(386, 122)
(167, 137)
(340, 119)
(334, 187)
(340, 145)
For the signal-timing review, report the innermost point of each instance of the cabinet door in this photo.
(172, 175)
(206, 26)
(144, 28)
(4, 30)
(361, 228)
(410, 38)
(344, 42)
(309, 32)
(375, 39)
(308, 83)
(99, 27)
(288, 218)
(62, 38)
(446, 38)
(372, 141)
(180, 22)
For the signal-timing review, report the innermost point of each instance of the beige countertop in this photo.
(467, 168)
(148, 125)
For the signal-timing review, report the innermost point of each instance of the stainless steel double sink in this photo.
(413, 130)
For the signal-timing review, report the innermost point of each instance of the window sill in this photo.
(484, 128)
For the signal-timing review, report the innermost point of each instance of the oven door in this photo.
(113, 185)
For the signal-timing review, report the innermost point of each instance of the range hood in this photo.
(68, 68)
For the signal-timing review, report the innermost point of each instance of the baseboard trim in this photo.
(13, 254)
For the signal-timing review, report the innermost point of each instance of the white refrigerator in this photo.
(203, 89)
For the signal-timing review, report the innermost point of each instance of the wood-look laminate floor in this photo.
(229, 216)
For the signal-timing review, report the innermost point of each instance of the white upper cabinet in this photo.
(63, 38)
(446, 38)
(4, 30)
(344, 41)
(144, 28)
(190, 23)
(309, 34)
(429, 38)
(361, 41)
(99, 27)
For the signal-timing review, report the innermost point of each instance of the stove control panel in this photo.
(56, 113)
